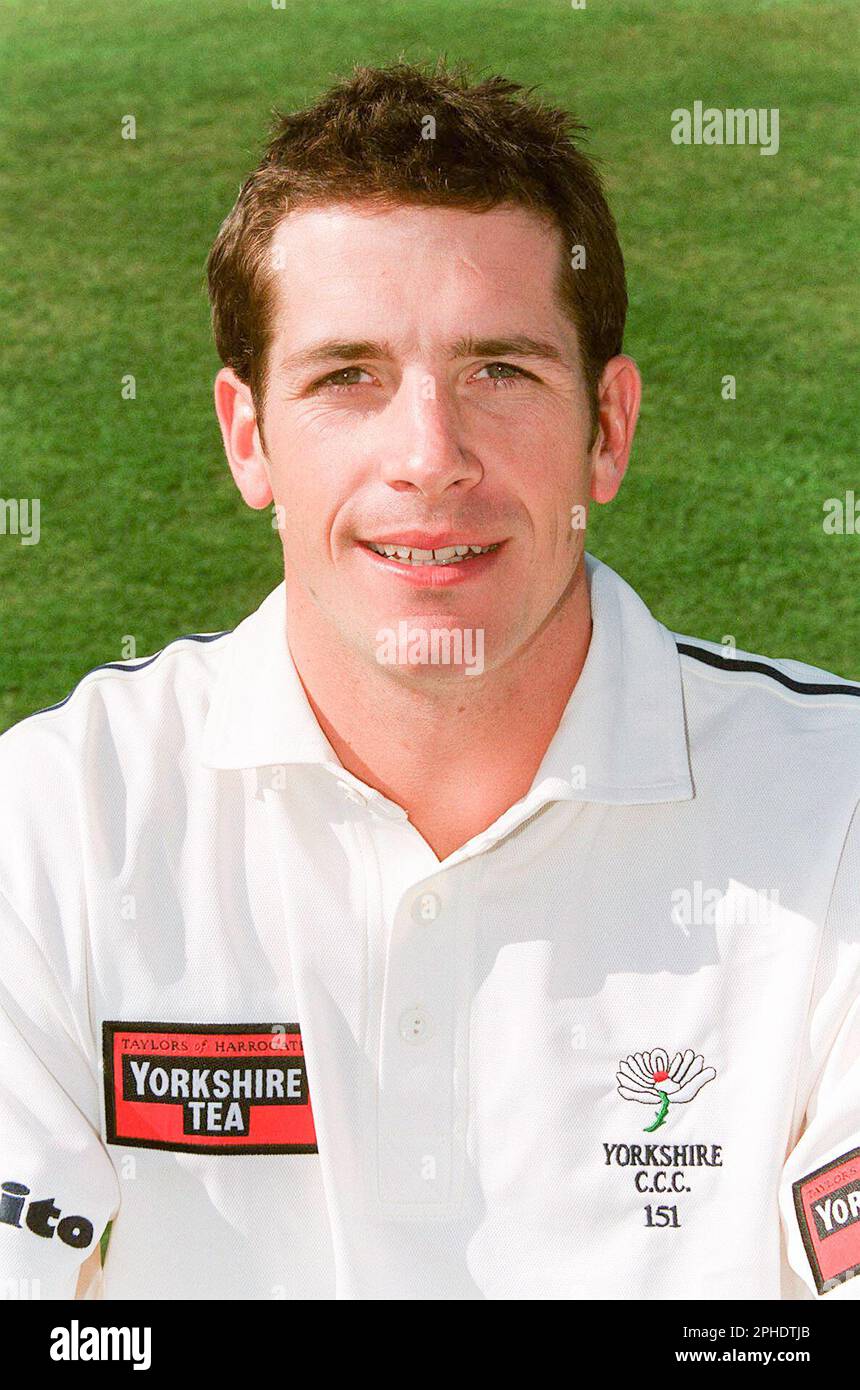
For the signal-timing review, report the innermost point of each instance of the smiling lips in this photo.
(443, 555)
(427, 560)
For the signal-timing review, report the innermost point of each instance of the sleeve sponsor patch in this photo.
(223, 1088)
(827, 1203)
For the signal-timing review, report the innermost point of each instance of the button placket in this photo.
(422, 1037)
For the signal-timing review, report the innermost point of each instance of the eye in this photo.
(336, 381)
(505, 367)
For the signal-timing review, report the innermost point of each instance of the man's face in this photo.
(424, 390)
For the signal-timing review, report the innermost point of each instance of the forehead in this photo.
(347, 268)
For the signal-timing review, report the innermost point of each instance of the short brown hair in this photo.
(362, 141)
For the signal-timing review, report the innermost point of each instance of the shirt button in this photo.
(414, 1025)
(426, 907)
(352, 794)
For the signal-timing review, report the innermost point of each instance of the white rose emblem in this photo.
(651, 1078)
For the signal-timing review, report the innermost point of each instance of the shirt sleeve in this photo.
(819, 1192)
(58, 1186)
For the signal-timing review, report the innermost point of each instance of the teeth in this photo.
(446, 555)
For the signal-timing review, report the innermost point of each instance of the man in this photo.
(450, 929)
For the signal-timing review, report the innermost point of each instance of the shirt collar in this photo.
(260, 715)
(622, 738)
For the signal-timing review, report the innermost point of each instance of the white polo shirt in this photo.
(608, 1048)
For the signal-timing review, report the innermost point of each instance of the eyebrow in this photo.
(337, 350)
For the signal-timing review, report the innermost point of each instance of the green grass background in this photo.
(737, 264)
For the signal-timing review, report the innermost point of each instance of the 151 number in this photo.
(662, 1216)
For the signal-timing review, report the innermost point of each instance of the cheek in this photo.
(306, 484)
(307, 526)
(553, 483)
(557, 434)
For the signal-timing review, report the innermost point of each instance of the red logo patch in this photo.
(827, 1203)
(225, 1088)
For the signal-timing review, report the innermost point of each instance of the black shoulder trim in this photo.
(121, 666)
(728, 663)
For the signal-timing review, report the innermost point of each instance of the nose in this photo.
(423, 450)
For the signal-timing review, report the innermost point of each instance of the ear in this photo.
(234, 406)
(619, 394)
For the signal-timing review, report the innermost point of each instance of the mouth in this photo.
(424, 563)
(416, 556)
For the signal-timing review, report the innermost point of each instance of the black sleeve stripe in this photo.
(728, 663)
(121, 666)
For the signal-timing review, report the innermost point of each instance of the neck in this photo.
(455, 752)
